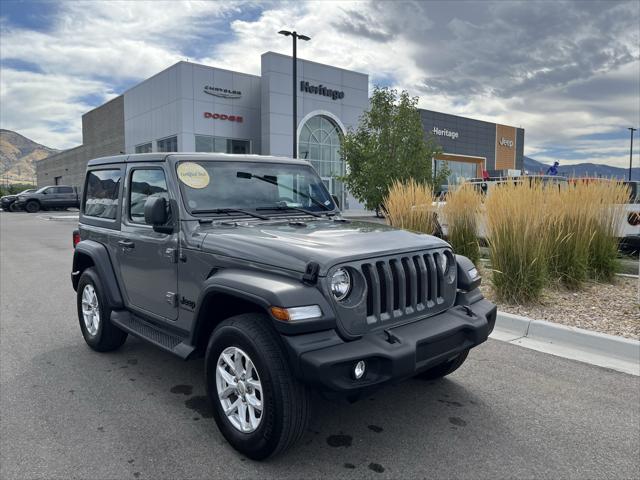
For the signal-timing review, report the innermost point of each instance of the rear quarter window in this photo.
(101, 193)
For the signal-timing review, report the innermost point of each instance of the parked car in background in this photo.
(52, 197)
(7, 202)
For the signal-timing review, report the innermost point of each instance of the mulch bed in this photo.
(603, 307)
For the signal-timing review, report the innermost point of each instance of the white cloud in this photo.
(562, 71)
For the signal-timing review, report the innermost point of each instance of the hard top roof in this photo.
(219, 157)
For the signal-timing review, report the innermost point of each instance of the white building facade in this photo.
(197, 108)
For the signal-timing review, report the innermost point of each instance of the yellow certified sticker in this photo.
(193, 175)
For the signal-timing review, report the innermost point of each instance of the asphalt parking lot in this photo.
(69, 412)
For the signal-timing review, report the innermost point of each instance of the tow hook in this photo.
(468, 311)
(391, 338)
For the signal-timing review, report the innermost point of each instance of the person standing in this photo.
(553, 169)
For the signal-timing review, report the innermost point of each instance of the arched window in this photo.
(319, 142)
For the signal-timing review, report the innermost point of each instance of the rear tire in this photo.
(32, 206)
(94, 315)
(445, 368)
(284, 401)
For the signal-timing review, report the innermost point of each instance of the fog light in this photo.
(359, 369)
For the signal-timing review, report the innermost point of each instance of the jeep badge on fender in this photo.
(247, 261)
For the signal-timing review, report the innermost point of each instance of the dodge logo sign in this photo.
(223, 116)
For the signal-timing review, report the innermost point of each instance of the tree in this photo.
(388, 145)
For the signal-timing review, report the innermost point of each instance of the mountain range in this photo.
(17, 156)
(583, 170)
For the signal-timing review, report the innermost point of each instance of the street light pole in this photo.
(294, 36)
(631, 129)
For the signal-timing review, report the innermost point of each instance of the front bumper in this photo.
(325, 361)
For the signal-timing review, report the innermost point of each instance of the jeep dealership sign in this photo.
(505, 142)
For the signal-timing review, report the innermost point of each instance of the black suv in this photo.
(52, 197)
(247, 261)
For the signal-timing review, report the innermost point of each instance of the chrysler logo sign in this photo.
(321, 90)
(505, 142)
(222, 92)
(443, 132)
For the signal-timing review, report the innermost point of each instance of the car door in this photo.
(65, 197)
(147, 260)
(49, 198)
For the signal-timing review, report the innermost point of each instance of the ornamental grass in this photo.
(519, 240)
(409, 205)
(571, 227)
(607, 199)
(461, 212)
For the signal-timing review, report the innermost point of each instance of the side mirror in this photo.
(336, 200)
(156, 214)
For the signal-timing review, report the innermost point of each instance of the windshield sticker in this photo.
(193, 175)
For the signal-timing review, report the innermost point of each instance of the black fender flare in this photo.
(102, 263)
(265, 290)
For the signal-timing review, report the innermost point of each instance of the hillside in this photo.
(17, 157)
(583, 170)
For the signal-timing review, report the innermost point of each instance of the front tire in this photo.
(14, 207)
(94, 315)
(258, 405)
(32, 206)
(445, 368)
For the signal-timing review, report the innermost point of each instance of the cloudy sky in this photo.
(569, 73)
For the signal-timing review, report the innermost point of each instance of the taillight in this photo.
(76, 238)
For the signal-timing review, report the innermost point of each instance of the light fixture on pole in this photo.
(295, 36)
(631, 129)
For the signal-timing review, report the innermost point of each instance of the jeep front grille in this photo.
(402, 285)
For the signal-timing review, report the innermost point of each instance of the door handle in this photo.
(126, 244)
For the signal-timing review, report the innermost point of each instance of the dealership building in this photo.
(197, 108)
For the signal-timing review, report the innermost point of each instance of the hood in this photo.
(9, 197)
(326, 242)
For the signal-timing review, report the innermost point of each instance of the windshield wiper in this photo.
(287, 207)
(229, 211)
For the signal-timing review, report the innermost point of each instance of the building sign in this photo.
(505, 142)
(222, 92)
(443, 132)
(223, 116)
(321, 90)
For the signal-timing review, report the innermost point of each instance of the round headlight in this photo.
(443, 263)
(340, 284)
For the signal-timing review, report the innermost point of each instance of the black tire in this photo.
(107, 336)
(285, 400)
(14, 207)
(32, 206)
(445, 368)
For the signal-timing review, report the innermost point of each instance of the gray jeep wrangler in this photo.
(247, 261)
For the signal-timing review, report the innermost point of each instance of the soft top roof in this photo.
(219, 157)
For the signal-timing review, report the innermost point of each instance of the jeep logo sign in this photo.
(321, 90)
(505, 142)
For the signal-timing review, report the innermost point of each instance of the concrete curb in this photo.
(618, 353)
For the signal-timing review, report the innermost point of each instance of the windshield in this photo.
(29, 190)
(208, 186)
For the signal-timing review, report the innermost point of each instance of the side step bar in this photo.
(161, 338)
